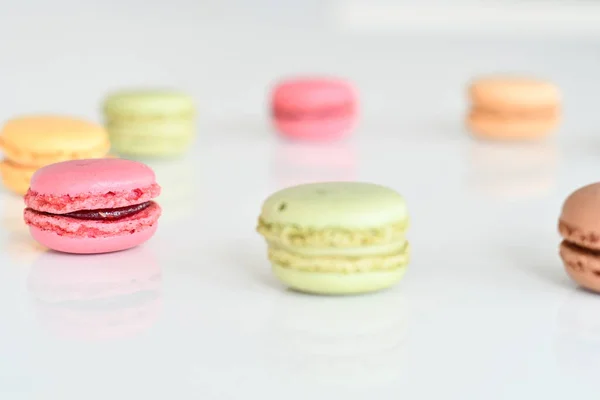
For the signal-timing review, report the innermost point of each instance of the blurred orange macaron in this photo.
(31, 142)
(513, 108)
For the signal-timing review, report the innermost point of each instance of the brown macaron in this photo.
(513, 108)
(579, 226)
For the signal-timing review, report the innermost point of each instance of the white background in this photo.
(485, 310)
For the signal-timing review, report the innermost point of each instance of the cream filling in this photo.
(521, 113)
(365, 251)
(294, 235)
(340, 264)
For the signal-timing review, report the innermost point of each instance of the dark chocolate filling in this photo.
(107, 214)
(330, 112)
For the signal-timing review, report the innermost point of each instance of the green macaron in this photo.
(336, 237)
(150, 123)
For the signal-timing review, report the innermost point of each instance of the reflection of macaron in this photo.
(32, 142)
(92, 206)
(513, 108)
(514, 171)
(314, 108)
(298, 163)
(97, 297)
(577, 339)
(579, 225)
(359, 342)
(336, 237)
(150, 123)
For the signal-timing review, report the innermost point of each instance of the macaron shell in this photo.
(510, 129)
(513, 91)
(313, 92)
(337, 283)
(24, 157)
(41, 140)
(91, 245)
(583, 267)
(98, 176)
(131, 142)
(148, 103)
(334, 204)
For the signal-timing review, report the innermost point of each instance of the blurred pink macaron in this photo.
(321, 109)
(92, 206)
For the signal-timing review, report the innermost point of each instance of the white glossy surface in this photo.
(485, 310)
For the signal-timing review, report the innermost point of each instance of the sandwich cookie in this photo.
(506, 108)
(319, 109)
(32, 142)
(92, 206)
(579, 226)
(150, 123)
(336, 237)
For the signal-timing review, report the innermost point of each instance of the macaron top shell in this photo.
(94, 176)
(312, 92)
(580, 217)
(149, 102)
(508, 90)
(47, 134)
(333, 204)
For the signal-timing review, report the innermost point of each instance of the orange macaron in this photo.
(34, 141)
(579, 226)
(513, 108)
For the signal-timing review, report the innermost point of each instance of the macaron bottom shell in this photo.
(510, 129)
(151, 138)
(91, 245)
(316, 130)
(329, 283)
(151, 146)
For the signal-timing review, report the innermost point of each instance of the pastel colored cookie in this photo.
(336, 237)
(512, 108)
(150, 123)
(32, 142)
(314, 109)
(579, 226)
(92, 206)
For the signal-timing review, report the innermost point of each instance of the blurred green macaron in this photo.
(150, 123)
(336, 238)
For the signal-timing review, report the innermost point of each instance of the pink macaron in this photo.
(314, 109)
(92, 206)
